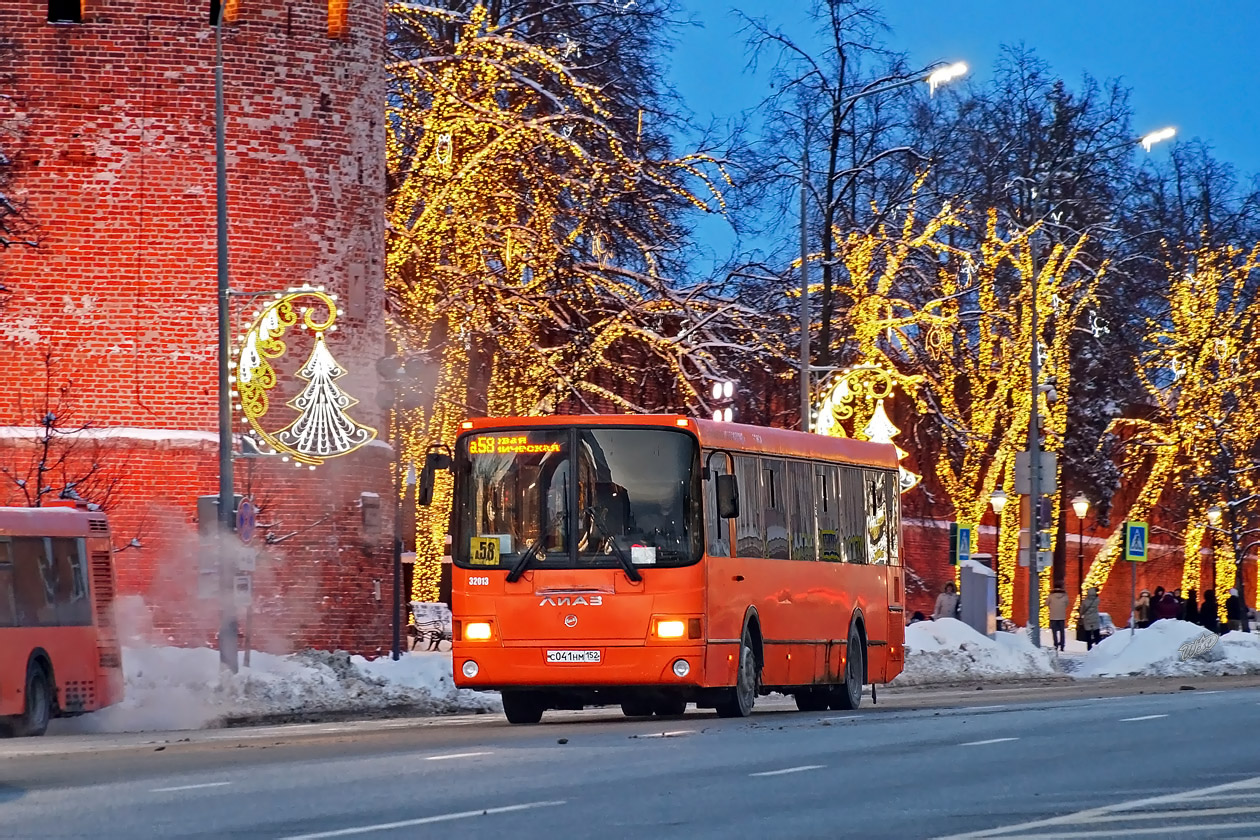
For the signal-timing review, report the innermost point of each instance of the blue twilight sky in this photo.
(1189, 63)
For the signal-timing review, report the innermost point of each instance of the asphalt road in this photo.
(1058, 760)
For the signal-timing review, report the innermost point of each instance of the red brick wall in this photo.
(113, 121)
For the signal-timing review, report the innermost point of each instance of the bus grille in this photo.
(110, 658)
(98, 526)
(78, 696)
(103, 586)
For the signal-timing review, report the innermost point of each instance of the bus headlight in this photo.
(681, 668)
(671, 628)
(477, 631)
(470, 669)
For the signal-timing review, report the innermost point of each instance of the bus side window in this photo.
(852, 515)
(8, 607)
(66, 576)
(749, 537)
(877, 517)
(830, 544)
(801, 511)
(717, 530)
(31, 601)
(774, 505)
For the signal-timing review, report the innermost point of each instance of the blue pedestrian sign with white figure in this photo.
(1135, 541)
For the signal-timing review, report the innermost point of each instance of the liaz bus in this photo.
(59, 652)
(652, 561)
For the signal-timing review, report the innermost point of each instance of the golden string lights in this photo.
(525, 230)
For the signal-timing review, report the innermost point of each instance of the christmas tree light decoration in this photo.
(322, 428)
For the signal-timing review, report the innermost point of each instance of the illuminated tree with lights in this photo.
(1201, 446)
(531, 223)
(963, 356)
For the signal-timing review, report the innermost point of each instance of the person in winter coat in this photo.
(1089, 617)
(1155, 599)
(1057, 606)
(1165, 607)
(946, 603)
(1142, 609)
(1192, 607)
(1209, 613)
(1234, 610)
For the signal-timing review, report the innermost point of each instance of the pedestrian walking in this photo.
(1089, 617)
(1057, 606)
(1142, 609)
(1166, 607)
(1192, 607)
(1209, 613)
(1181, 605)
(1234, 610)
(1155, 599)
(946, 603)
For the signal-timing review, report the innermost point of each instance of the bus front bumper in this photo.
(597, 665)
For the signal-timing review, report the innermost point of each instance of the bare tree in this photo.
(17, 227)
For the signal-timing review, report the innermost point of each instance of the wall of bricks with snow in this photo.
(112, 132)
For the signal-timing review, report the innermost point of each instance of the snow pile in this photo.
(1172, 648)
(184, 688)
(946, 650)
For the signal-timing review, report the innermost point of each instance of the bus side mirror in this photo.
(433, 462)
(727, 496)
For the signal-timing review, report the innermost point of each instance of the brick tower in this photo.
(111, 133)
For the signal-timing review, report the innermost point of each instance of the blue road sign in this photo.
(964, 543)
(1136, 541)
(246, 520)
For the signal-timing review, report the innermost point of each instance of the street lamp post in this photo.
(934, 79)
(227, 571)
(1034, 419)
(1081, 505)
(997, 500)
(400, 496)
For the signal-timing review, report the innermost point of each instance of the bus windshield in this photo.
(578, 497)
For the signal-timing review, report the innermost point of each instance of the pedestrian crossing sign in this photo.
(1135, 541)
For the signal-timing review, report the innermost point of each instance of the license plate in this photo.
(573, 656)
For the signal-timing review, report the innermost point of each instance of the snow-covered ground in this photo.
(946, 650)
(184, 688)
(1172, 649)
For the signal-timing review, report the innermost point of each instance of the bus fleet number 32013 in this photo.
(573, 656)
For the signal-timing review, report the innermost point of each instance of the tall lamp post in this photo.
(997, 501)
(227, 572)
(1034, 420)
(400, 496)
(934, 79)
(1081, 505)
(1214, 519)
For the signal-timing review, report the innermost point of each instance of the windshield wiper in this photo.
(522, 562)
(631, 571)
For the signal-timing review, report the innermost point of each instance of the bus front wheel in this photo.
(522, 707)
(740, 699)
(39, 704)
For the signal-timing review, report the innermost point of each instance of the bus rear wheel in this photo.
(522, 707)
(39, 705)
(739, 700)
(848, 696)
(813, 699)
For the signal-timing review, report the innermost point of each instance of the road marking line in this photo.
(673, 734)
(1184, 813)
(846, 717)
(1143, 717)
(983, 708)
(786, 770)
(1116, 832)
(1009, 832)
(189, 787)
(989, 741)
(454, 755)
(367, 829)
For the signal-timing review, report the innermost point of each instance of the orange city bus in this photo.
(59, 652)
(653, 561)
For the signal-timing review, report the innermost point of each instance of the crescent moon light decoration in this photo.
(322, 428)
(867, 386)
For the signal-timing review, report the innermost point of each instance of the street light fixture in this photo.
(1081, 505)
(997, 500)
(1214, 515)
(1034, 420)
(935, 78)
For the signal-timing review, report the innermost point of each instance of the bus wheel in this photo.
(848, 696)
(670, 707)
(813, 699)
(39, 702)
(522, 707)
(636, 708)
(740, 699)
